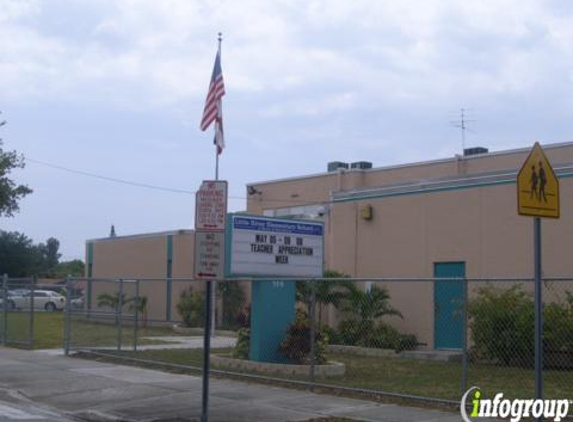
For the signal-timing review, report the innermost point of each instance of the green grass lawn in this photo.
(413, 377)
(49, 331)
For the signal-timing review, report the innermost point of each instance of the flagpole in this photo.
(220, 38)
(214, 283)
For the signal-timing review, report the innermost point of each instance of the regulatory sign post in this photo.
(538, 197)
(209, 263)
(211, 205)
(209, 254)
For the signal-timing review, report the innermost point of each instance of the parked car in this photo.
(10, 303)
(43, 299)
(78, 302)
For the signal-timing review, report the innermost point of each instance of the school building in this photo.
(448, 217)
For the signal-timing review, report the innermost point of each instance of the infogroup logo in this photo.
(515, 409)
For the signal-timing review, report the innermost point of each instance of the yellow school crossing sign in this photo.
(537, 186)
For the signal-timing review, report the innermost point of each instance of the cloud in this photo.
(143, 53)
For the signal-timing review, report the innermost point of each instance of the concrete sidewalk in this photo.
(88, 390)
(171, 342)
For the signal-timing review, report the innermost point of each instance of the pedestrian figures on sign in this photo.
(542, 183)
(534, 179)
(538, 182)
(537, 186)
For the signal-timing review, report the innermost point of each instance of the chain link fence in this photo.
(425, 339)
(21, 300)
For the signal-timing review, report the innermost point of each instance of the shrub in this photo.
(332, 335)
(191, 308)
(243, 318)
(353, 332)
(502, 324)
(558, 334)
(407, 342)
(243, 346)
(232, 301)
(369, 334)
(297, 343)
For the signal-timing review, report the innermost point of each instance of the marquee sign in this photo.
(275, 247)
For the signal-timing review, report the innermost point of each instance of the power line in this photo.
(110, 179)
(143, 185)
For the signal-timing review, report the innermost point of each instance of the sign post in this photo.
(266, 247)
(538, 197)
(211, 205)
(209, 263)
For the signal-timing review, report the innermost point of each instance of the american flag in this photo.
(213, 111)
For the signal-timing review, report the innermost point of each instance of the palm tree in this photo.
(110, 300)
(135, 303)
(367, 305)
(326, 292)
(364, 307)
(139, 304)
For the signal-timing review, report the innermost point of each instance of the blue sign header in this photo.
(281, 226)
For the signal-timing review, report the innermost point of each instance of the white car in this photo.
(43, 299)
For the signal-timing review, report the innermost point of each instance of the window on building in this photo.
(315, 211)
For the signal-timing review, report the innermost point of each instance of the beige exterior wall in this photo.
(408, 234)
(318, 188)
(145, 257)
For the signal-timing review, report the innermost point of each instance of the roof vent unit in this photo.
(475, 151)
(335, 165)
(362, 165)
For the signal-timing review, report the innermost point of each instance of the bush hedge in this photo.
(502, 324)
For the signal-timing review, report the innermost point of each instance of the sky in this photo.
(116, 88)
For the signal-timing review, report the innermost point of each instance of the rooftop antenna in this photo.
(463, 125)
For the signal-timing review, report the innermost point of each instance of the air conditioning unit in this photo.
(362, 165)
(335, 165)
(475, 151)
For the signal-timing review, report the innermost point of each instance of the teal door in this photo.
(448, 305)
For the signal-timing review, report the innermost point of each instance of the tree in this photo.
(139, 304)
(111, 300)
(233, 300)
(368, 305)
(363, 308)
(51, 253)
(74, 268)
(326, 292)
(18, 257)
(10, 192)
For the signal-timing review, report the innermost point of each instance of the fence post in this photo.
(32, 311)
(5, 309)
(137, 303)
(118, 313)
(312, 331)
(67, 320)
(465, 337)
(88, 298)
(168, 301)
